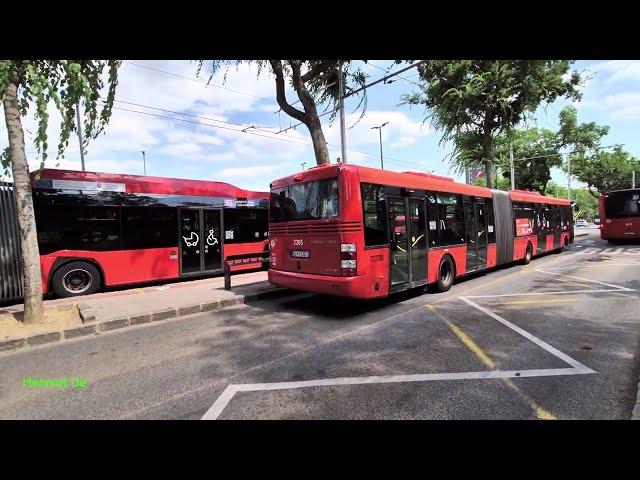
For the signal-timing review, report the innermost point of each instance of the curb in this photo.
(88, 314)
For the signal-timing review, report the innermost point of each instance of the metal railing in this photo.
(10, 257)
(245, 259)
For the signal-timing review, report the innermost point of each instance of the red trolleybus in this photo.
(102, 229)
(364, 233)
(620, 215)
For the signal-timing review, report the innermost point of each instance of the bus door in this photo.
(200, 240)
(542, 224)
(408, 243)
(476, 234)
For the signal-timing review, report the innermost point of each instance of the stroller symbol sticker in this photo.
(193, 240)
(211, 240)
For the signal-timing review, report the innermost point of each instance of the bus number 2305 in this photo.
(298, 243)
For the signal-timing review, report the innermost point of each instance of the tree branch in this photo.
(317, 70)
(303, 94)
(281, 97)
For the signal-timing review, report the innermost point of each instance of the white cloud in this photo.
(252, 171)
(617, 70)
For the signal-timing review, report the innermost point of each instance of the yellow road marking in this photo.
(575, 283)
(537, 301)
(540, 412)
(471, 345)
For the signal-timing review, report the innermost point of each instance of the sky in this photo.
(204, 138)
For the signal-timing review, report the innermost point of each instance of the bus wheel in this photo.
(528, 254)
(446, 274)
(75, 278)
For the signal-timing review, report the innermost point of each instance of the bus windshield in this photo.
(622, 204)
(305, 201)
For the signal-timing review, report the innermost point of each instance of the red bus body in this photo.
(322, 240)
(124, 266)
(620, 215)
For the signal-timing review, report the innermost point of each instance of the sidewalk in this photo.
(117, 309)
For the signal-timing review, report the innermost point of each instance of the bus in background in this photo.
(364, 233)
(620, 215)
(101, 230)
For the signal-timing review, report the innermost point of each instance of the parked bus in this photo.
(364, 233)
(101, 230)
(620, 215)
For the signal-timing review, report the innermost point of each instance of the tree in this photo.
(535, 152)
(602, 170)
(36, 83)
(471, 101)
(586, 205)
(315, 83)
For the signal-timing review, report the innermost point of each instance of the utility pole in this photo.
(569, 177)
(633, 179)
(379, 128)
(144, 162)
(343, 133)
(302, 165)
(80, 134)
(513, 173)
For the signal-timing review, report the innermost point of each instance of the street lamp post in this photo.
(379, 128)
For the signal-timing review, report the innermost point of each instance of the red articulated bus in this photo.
(100, 229)
(364, 233)
(620, 215)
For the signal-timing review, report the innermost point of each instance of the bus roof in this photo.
(77, 180)
(418, 180)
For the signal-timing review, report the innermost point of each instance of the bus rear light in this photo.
(348, 259)
(350, 264)
(348, 247)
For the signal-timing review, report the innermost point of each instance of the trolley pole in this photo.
(513, 173)
(80, 134)
(144, 162)
(343, 133)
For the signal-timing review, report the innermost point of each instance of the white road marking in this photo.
(541, 343)
(564, 292)
(576, 368)
(223, 400)
(586, 280)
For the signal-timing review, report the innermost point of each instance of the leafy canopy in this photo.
(65, 83)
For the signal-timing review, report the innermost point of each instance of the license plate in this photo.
(300, 253)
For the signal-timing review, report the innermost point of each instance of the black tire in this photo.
(446, 274)
(528, 254)
(76, 278)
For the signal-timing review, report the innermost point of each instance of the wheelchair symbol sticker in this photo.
(211, 240)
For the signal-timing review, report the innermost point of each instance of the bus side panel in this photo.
(520, 246)
(122, 267)
(377, 261)
(459, 254)
(491, 255)
(549, 243)
(245, 248)
(46, 264)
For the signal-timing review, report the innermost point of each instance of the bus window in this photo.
(375, 231)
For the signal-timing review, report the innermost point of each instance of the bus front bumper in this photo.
(361, 286)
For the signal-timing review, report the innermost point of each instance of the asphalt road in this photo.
(558, 338)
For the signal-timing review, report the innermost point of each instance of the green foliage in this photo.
(601, 169)
(605, 170)
(65, 83)
(472, 101)
(586, 204)
(535, 152)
